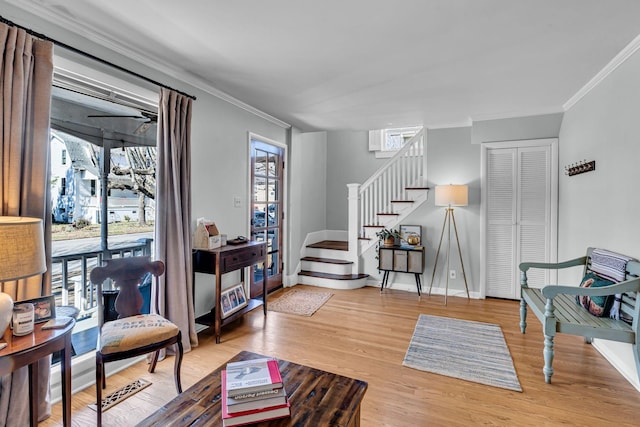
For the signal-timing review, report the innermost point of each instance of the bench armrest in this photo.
(524, 266)
(632, 285)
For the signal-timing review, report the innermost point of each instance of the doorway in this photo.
(267, 210)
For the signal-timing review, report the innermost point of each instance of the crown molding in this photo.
(618, 60)
(104, 40)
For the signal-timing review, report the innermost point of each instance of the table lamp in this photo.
(22, 255)
(450, 195)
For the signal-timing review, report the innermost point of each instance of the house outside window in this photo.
(64, 157)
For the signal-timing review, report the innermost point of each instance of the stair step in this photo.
(333, 276)
(337, 245)
(403, 201)
(387, 214)
(325, 260)
(417, 188)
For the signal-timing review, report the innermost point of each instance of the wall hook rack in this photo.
(580, 167)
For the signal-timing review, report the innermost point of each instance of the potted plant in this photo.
(388, 237)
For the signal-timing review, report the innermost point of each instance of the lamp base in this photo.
(6, 312)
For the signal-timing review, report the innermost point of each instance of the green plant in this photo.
(388, 234)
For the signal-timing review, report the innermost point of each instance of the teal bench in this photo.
(557, 309)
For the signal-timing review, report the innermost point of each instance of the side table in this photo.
(402, 259)
(27, 350)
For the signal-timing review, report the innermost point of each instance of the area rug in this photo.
(302, 303)
(472, 351)
(121, 394)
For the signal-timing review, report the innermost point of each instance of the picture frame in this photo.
(406, 230)
(233, 299)
(44, 308)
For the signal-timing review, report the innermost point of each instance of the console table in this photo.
(401, 259)
(28, 350)
(318, 398)
(224, 260)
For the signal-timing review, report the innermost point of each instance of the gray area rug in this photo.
(472, 351)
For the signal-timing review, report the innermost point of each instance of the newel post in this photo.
(354, 225)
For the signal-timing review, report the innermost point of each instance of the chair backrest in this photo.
(127, 274)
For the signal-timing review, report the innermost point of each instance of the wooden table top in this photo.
(317, 398)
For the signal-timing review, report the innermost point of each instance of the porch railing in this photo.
(70, 282)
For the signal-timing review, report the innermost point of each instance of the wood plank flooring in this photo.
(364, 334)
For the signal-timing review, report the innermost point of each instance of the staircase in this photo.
(333, 258)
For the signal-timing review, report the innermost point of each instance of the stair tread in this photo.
(333, 276)
(325, 260)
(338, 245)
(417, 188)
(388, 213)
(403, 201)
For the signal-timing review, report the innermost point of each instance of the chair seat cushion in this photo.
(135, 331)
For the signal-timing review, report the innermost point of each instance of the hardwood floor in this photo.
(364, 334)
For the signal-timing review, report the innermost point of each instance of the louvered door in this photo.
(520, 187)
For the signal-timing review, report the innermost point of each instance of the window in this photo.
(93, 187)
(385, 142)
(64, 157)
(63, 186)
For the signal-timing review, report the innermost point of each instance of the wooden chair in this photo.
(132, 333)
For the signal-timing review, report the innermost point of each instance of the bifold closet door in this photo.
(520, 214)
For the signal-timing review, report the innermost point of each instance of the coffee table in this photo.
(317, 398)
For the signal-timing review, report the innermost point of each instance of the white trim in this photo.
(618, 60)
(90, 33)
(627, 369)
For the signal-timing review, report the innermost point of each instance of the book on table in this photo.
(261, 401)
(252, 376)
(255, 409)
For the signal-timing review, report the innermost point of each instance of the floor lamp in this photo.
(450, 195)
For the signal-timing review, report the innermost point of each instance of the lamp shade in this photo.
(452, 195)
(21, 248)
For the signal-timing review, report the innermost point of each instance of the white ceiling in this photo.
(367, 64)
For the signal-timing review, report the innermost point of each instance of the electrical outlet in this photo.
(452, 274)
(237, 202)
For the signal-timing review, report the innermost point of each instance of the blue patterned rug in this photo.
(463, 349)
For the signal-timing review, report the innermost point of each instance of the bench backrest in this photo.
(628, 309)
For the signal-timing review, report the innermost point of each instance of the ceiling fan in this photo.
(149, 118)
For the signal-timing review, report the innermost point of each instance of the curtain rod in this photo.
(88, 55)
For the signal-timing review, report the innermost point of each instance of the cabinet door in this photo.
(415, 262)
(400, 260)
(385, 259)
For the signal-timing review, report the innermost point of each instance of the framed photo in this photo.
(44, 308)
(233, 299)
(411, 230)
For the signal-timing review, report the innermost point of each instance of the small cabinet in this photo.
(401, 259)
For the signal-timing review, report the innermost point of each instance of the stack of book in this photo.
(252, 391)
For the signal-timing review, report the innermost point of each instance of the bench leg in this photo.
(548, 358)
(523, 316)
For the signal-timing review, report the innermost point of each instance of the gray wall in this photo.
(517, 128)
(600, 208)
(307, 191)
(348, 161)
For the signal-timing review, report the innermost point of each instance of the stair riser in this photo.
(323, 267)
(325, 253)
(332, 284)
